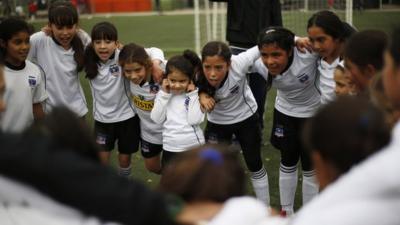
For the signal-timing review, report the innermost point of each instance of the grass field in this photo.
(174, 33)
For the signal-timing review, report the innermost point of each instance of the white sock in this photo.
(125, 172)
(310, 186)
(259, 180)
(287, 187)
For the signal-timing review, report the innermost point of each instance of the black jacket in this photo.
(79, 182)
(246, 18)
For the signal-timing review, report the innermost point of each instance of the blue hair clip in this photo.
(210, 154)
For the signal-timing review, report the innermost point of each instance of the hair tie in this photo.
(270, 31)
(210, 154)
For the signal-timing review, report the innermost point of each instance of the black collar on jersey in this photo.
(224, 80)
(289, 63)
(54, 39)
(151, 81)
(112, 56)
(99, 63)
(14, 67)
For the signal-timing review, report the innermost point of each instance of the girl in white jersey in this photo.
(293, 74)
(115, 118)
(137, 67)
(177, 106)
(232, 109)
(25, 88)
(61, 56)
(328, 34)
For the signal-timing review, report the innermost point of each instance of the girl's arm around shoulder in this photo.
(241, 63)
(84, 36)
(159, 63)
(305, 55)
(159, 111)
(195, 115)
(260, 68)
(155, 53)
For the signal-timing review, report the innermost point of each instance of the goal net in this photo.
(210, 17)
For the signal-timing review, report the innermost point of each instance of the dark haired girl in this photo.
(328, 35)
(61, 57)
(232, 108)
(293, 74)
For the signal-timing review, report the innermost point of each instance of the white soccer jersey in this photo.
(23, 88)
(110, 93)
(59, 66)
(326, 83)
(21, 204)
(143, 100)
(234, 100)
(297, 94)
(181, 118)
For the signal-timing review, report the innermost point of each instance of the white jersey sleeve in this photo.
(156, 53)
(159, 112)
(85, 37)
(260, 68)
(39, 93)
(195, 115)
(35, 44)
(241, 63)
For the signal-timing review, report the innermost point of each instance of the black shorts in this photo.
(126, 132)
(149, 150)
(247, 132)
(286, 136)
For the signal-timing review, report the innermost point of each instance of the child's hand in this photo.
(157, 71)
(120, 45)
(165, 85)
(190, 87)
(207, 103)
(46, 29)
(303, 44)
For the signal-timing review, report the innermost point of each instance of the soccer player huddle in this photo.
(335, 106)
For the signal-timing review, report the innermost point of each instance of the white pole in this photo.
(197, 26)
(214, 20)
(208, 19)
(223, 20)
(305, 5)
(349, 12)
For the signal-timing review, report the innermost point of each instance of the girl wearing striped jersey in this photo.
(232, 108)
(293, 74)
(115, 117)
(61, 56)
(137, 67)
(25, 88)
(328, 34)
(177, 106)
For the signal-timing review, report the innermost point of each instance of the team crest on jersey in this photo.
(32, 81)
(303, 78)
(154, 89)
(187, 100)
(142, 104)
(101, 139)
(279, 132)
(114, 70)
(234, 89)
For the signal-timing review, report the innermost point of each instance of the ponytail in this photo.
(91, 60)
(78, 48)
